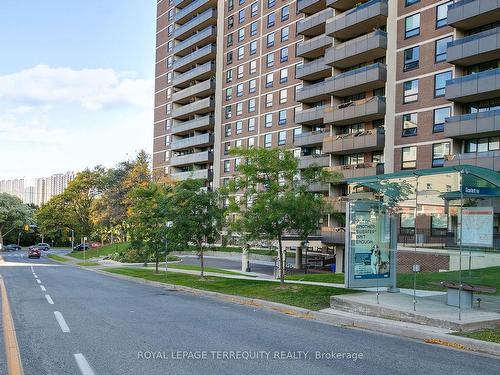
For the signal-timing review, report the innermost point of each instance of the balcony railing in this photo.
(201, 89)
(200, 56)
(475, 49)
(469, 14)
(201, 38)
(197, 107)
(197, 6)
(468, 125)
(196, 141)
(314, 47)
(203, 71)
(193, 158)
(200, 123)
(363, 110)
(310, 6)
(333, 235)
(200, 21)
(474, 87)
(489, 159)
(313, 70)
(314, 161)
(310, 116)
(358, 170)
(309, 138)
(314, 24)
(362, 141)
(358, 80)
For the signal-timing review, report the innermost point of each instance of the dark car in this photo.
(34, 252)
(43, 246)
(12, 247)
(80, 247)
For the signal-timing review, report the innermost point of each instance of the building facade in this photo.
(358, 87)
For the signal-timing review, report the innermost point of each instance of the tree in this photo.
(276, 197)
(148, 214)
(56, 216)
(198, 216)
(13, 214)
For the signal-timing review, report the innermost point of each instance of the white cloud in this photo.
(94, 89)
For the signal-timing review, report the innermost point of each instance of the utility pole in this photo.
(18, 238)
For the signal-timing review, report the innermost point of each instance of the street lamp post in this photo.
(18, 238)
(169, 225)
(72, 239)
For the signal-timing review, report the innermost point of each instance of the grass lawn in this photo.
(307, 296)
(86, 264)
(336, 278)
(103, 250)
(492, 335)
(193, 267)
(58, 258)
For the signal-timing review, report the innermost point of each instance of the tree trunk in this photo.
(201, 261)
(1, 239)
(282, 261)
(157, 260)
(298, 257)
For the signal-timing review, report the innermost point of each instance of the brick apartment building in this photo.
(359, 87)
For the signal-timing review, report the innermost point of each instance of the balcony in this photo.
(200, 123)
(309, 138)
(310, 116)
(336, 204)
(474, 87)
(357, 51)
(358, 170)
(333, 235)
(202, 140)
(310, 6)
(185, 14)
(342, 5)
(314, 161)
(357, 21)
(201, 21)
(319, 187)
(200, 39)
(197, 174)
(313, 93)
(489, 159)
(314, 70)
(469, 14)
(200, 56)
(194, 158)
(314, 47)
(475, 49)
(201, 89)
(473, 125)
(355, 112)
(363, 79)
(362, 141)
(201, 72)
(315, 24)
(197, 107)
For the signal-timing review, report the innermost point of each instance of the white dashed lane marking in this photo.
(61, 321)
(49, 299)
(83, 365)
(43, 288)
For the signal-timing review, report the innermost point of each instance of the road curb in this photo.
(384, 326)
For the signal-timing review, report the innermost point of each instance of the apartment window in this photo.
(270, 20)
(411, 58)
(239, 89)
(230, 22)
(285, 33)
(251, 142)
(170, 14)
(410, 123)
(253, 28)
(170, 45)
(284, 54)
(170, 30)
(283, 96)
(271, 3)
(239, 127)
(168, 124)
(167, 139)
(482, 144)
(239, 109)
(229, 93)
(170, 61)
(412, 25)
(439, 151)
(169, 77)
(411, 2)
(270, 40)
(440, 83)
(282, 138)
(227, 130)
(229, 40)
(284, 75)
(252, 86)
(227, 166)
(410, 91)
(239, 71)
(282, 117)
(253, 66)
(230, 5)
(440, 115)
(229, 76)
(169, 108)
(409, 157)
(229, 58)
(167, 155)
(169, 92)
(241, 16)
(441, 48)
(254, 9)
(269, 80)
(241, 53)
(269, 100)
(237, 144)
(251, 124)
(228, 112)
(251, 105)
(268, 120)
(270, 60)
(253, 47)
(241, 2)
(268, 140)
(352, 159)
(285, 13)
(241, 35)
(442, 14)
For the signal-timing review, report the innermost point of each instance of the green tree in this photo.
(198, 216)
(56, 217)
(13, 214)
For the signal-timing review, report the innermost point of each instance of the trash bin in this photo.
(334, 267)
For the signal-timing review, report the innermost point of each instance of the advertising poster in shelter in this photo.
(477, 226)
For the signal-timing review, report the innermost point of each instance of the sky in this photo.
(76, 84)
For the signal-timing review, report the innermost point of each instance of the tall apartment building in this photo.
(358, 87)
(13, 187)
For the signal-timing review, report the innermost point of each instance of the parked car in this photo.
(34, 252)
(12, 247)
(80, 247)
(43, 246)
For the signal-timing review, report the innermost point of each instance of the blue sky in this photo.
(74, 73)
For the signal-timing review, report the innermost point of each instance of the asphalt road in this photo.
(267, 269)
(114, 325)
